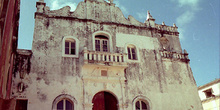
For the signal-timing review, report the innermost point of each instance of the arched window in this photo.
(70, 47)
(65, 104)
(141, 105)
(132, 52)
(101, 43)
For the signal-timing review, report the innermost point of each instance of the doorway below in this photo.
(104, 101)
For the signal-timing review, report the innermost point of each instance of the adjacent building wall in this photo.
(210, 95)
(9, 16)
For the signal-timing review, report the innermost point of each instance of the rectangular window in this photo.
(73, 50)
(70, 47)
(105, 45)
(21, 105)
(133, 53)
(129, 53)
(66, 47)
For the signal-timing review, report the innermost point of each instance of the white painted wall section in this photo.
(141, 42)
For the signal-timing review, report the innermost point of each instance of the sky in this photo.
(197, 22)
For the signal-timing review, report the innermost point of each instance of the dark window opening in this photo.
(209, 93)
(141, 105)
(132, 53)
(97, 45)
(70, 47)
(60, 105)
(65, 105)
(21, 105)
(101, 43)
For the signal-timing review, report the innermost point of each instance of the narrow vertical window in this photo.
(105, 45)
(132, 54)
(97, 45)
(69, 105)
(73, 50)
(60, 105)
(66, 47)
(129, 53)
(137, 105)
(141, 105)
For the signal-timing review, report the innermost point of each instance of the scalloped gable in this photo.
(134, 21)
(98, 11)
(65, 11)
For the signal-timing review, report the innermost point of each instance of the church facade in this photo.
(96, 59)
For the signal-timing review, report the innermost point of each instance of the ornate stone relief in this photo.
(113, 85)
(95, 84)
(105, 85)
(165, 43)
(21, 87)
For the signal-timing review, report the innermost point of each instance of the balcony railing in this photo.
(105, 58)
(173, 55)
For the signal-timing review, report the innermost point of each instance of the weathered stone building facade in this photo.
(96, 59)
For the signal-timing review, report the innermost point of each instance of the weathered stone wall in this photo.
(166, 83)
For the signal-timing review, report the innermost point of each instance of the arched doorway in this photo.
(104, 101)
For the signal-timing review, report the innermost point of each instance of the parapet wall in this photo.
(101, 12)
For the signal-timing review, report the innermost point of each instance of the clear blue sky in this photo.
(198, 22)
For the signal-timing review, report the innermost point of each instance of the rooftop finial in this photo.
(163, 23)
(150, 19)
(174, 25)
(149, 15)
(41, 1)
(110, 1)
(40, 6)
(185, 51)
